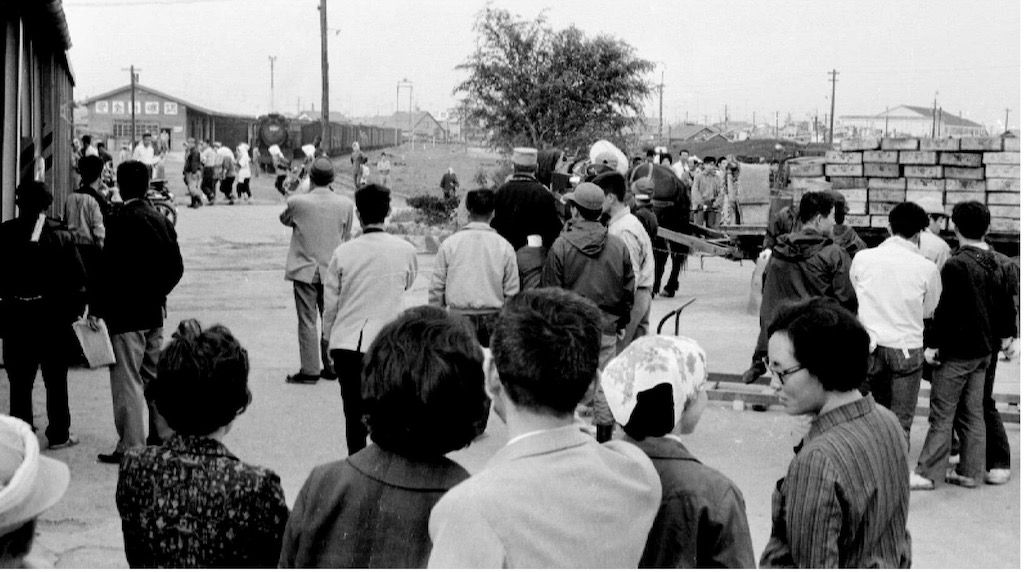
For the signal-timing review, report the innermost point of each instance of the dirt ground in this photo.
(234, 275)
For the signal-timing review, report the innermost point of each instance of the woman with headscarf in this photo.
(244, 171)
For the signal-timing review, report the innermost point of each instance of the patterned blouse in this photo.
(192, 504)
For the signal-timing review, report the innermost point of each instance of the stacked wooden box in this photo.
(877, 174)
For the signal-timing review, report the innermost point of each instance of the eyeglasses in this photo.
(782, 375)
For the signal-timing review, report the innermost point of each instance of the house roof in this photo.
(946, 118)
(690, 130)
(399, 120)
(164, 95)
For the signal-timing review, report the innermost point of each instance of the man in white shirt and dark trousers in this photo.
(897, 288)
(475, 270)
(625, 225)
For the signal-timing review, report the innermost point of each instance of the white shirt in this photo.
(934, 248)
(144, 154)
(897, 288)
(626, 226)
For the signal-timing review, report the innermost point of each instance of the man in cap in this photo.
(320, 220)
(29, 485)
(642, 208)
(933, 247)
(623, 224)
(523, 206)
(193, 173)
(702, 522)
(589, 261)
(43, 290)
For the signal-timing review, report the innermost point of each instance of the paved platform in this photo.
(234, 260)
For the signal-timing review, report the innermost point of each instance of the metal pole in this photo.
(832, 113)
(132, 71)
(272, 59)
(661, 99)
(325, 124)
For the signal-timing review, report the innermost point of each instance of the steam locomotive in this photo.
(291, 134)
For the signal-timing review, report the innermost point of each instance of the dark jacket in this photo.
(784, 222)
(530, 260)
(48, 271)
(594, 264)
(702, 521)
(976, 307)
(848, 239)
(547, 164)
(140, 265)
(193, 164)
(671, 200)
(523, 206)
(370, 510)
(805, 264)
(192, 504)
(649, 220)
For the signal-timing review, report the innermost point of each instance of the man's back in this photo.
(897, 288)
(321, 220)
(475, 270)
(523, 206)
(556, 499)
(805, 264)
(934, 248)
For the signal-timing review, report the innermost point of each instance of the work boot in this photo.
(756, 370)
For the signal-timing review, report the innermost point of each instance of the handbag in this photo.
(95, 344)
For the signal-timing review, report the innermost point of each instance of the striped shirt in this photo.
(844, 500)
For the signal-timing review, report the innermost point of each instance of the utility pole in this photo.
(405, 83)
(832, 113)
(776, 124)
(325, 123)
(726, 117)
(1006, 122)
(272, 60)
(135, 78)
(661, 98)
(935, 107)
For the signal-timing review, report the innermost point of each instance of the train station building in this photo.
(107, 117)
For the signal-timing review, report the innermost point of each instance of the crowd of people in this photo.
(538, 311)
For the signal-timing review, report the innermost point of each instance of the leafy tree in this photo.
(531, 85)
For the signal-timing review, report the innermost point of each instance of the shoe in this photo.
(919, 483)
(303, 378)
(954, 459)
(71, 441)
(110, 458)
(752, 374)
(666, 293)
(955, 478)
(328, 374)
(997, 476)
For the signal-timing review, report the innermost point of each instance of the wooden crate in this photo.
(899, 144)
(1004, 225)
(922, 171)
(919, 157)
(974, 173)
(881, 156)
(877, 208)
(1002, 171)
(1002, 198)
(917, 194)
(960, 159)
(843, 157)
(965, 185)
(860, 144)
(889, 184)
(981, 144)
(948, 144)
(887, 195)
(1002, 185)
(877, 170)
(1002, 158)
(849, 182)
(919, 184)
(844, 170)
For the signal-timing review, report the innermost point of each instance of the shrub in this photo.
(434, 210)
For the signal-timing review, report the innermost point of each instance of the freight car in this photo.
(290, 135)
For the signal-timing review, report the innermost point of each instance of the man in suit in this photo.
(552, 497)
(363, 289)
(320, 221)
(523, 206)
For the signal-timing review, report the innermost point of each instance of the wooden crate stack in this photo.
(877, 174)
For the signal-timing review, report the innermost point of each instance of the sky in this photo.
(756, 57)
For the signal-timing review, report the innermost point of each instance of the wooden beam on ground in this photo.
(727, 387)
(694, 243)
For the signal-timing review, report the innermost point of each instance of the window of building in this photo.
(123, 128)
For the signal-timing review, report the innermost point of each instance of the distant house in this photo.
(108, 117)
(909, 121)
(420, 125)
(315, 116)
(690, 132)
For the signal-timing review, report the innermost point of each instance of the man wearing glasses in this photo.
(845, 497)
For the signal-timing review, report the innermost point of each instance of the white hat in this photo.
(524, 156)
(309, 149)
(29, 482)
(651, 361)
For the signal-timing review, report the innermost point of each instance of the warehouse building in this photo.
(107, 117)
(909, 121)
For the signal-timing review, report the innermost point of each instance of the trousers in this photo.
(956, 384)
(309, 305)
(997, 446)
(349, 366)
(639, 318)
(894, 379)
(482, 324)
(40, 345)
(136, 354)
